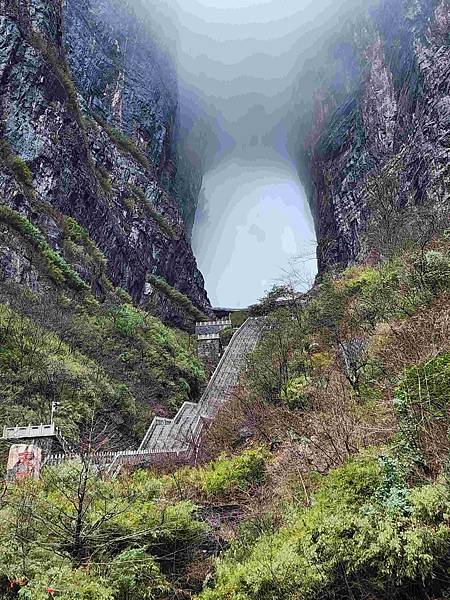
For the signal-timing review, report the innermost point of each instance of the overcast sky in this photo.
(253, 220)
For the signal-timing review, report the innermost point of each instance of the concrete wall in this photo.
(209, 348)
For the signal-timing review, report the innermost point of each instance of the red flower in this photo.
(51, 591)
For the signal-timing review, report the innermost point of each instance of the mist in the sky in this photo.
(238, 62)
(242, 57)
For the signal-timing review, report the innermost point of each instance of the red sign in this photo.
(24, 461)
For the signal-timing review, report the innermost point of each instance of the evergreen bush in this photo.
(231, 475)
(345, 545)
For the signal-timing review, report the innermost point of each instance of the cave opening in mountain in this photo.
(253, 229)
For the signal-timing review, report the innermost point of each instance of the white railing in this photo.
(218, 322)
(158, 421)
(208, 336)
(183, 432)
(224, 358)
(109, 459)
(29, 432)
(207, 406)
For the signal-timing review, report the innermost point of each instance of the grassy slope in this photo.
(60, 342)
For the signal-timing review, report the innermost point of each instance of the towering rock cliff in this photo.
(90, 129)
(96, 142)
(377, 155)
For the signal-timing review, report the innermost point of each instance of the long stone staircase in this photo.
(180, 437)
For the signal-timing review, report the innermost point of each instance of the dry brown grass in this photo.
(338, 423)
(324, 437)
(411, 341)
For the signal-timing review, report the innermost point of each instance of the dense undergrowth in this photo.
(349, 388)
(365, 535)
(325, 477)
(177, 297)
(78, 535)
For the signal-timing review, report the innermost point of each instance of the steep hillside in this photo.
(59, 343)
(87, 235)
(326, 477)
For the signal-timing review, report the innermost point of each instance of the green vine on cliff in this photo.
(59, 270)
(18, 167)
(162, 223)
(61, 70)
(123, 142)
(176, 297)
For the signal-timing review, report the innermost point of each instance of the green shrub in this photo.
(226, 335)
(271, 301)
(74, 230)
(124, 295)
(130, 536)
(123, 142)
(135, 575)
(130, 203)
(161, 221)
(127, 319)
(58, 268)
(163, 224)
(435, 268)
(392, 492)
(80, 235)
(137, 191)
(422, 405)
(67, 583)
(326, 310)
(21, 171)
(238, 318)
(355, 279)
(231, 475)
(126, 144)
(346, 544)
(17, 165)
(295, 393)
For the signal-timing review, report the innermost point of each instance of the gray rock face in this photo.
(77, 167)
(383, 110)
(386, 117)
(16, 264)
(123, 74)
